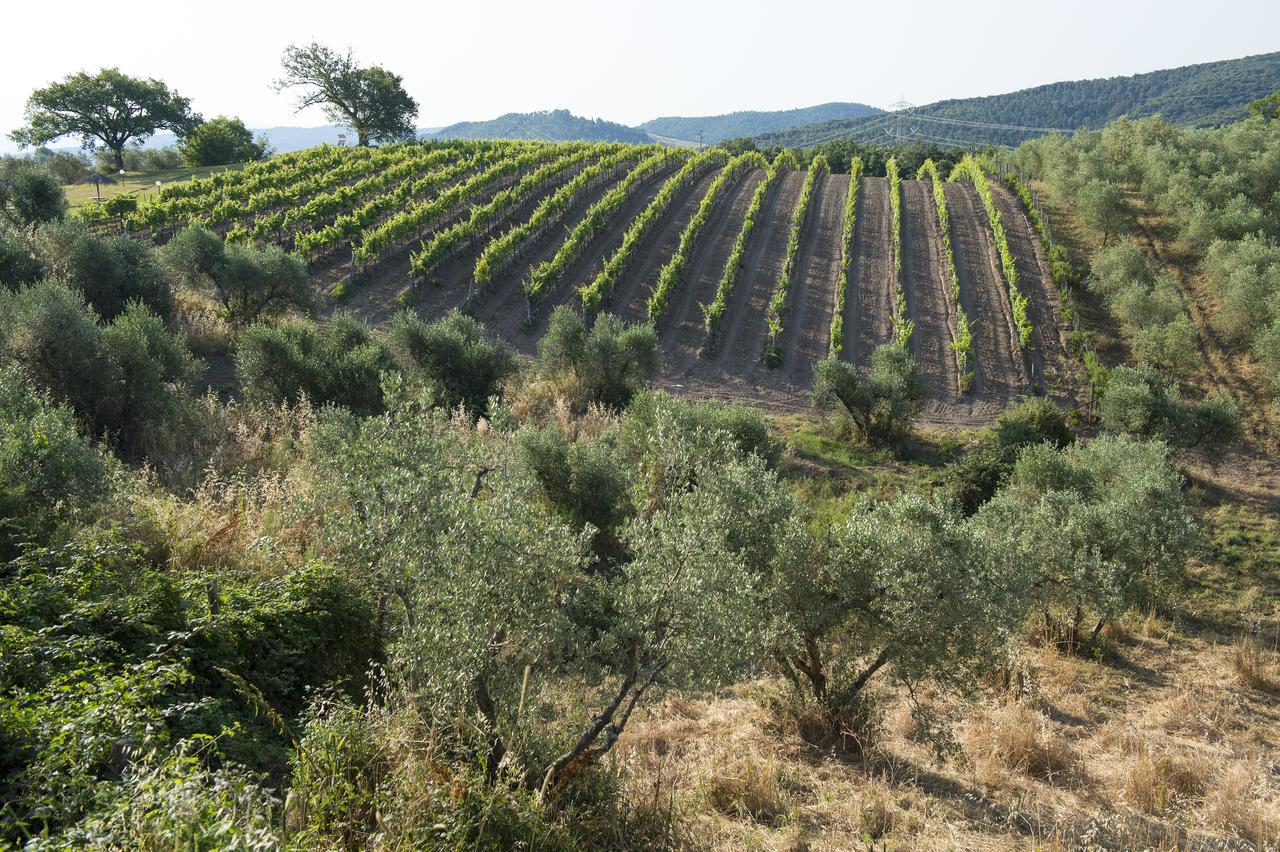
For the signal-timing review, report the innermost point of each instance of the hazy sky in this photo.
(626, 61)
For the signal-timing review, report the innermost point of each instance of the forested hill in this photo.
(552, 125)
(716, 128)
(1194, 95)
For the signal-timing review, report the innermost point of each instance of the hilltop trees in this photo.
(370, 100)
(220, 141)
(109, 107)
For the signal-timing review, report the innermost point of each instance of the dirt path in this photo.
(743, 338)
(1000, 373)
(928, 303)
(1053, 370)
(868, 320)
(683, 329)
(374, 297)
(806, 337)
(631, 291)
(508, 320)
(455, 276)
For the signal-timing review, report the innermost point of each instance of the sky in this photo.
(624, 61)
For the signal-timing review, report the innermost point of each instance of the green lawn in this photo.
(141, 183)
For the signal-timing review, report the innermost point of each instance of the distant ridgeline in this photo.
(717, 128)
(1194, 96)
(558, 125)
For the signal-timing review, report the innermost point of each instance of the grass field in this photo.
(141, 183)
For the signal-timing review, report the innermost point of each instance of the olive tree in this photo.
(906, 586)
(471, 575)
(880, 404)
(684, 611)
(111, 271)
(453, 356)
(1138, 401)
(340, 363)
(609, 361)
(1100, 526)
(31, 196)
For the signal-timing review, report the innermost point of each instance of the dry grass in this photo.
(1254, 666)
(1158, 747)
(1014, 740)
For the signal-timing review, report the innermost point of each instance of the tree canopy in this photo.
(220, 141)
(109, 107)
(370, 100)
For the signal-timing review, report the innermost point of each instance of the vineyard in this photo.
(751, 271)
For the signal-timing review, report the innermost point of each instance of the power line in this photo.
(991, 125)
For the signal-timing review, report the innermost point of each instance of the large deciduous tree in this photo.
(109, 107)
(370, 100)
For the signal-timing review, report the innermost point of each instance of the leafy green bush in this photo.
(1138, 401)
(655, 412)
(47, 471)
(340, 363)
(31, 195)
(1102, 526)
(906, 585)
(262, 282)
(111, 271)
(18, 262)
(454, 357)
(610, 361)
(879, 405)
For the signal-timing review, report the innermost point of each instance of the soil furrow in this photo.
(928, 302)
(742, 341)
(508, 318)
(807, 327)
(999, 369)
(868, 321)
(1049, 330)
(631, 291)
(684, 329)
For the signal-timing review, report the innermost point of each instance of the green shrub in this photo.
(47, 471)
(453, 357)
(879, 405)
(340, 363)
(1102, 526)
(111, 271)
(610, 361)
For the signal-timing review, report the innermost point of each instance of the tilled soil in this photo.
(506, 314)
(1000, 373)
(1049, 329)
(734, 369)
(806, 337)
(928, 300)
(868, 320)
(683, 329)
(630, 299)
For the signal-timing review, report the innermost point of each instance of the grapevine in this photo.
(669, 276)
(778, 303)
(846, 256)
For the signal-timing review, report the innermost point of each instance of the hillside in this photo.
(1194, 95)
(558, 125)
(717, 128)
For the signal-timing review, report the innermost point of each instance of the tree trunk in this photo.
(363, 137)
(484, 703)
(119, 152)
